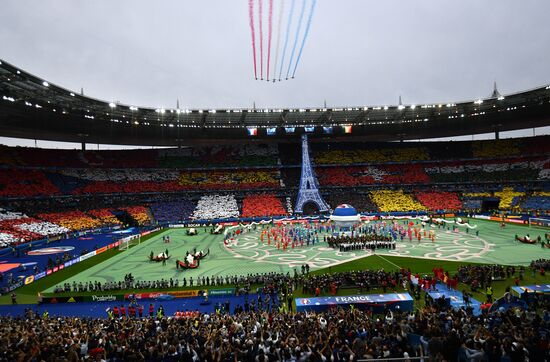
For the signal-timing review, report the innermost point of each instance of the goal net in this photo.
(541, 222)
(129, 241)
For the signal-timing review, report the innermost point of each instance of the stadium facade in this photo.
(32, 107)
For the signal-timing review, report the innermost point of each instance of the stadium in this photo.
(282, 233)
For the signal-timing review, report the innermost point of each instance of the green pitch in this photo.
(248, 255)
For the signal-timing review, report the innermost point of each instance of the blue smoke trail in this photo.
(278, 47)
(306, 33)
(290, 14)
(300, 20)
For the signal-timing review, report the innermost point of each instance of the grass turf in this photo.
(28, 294)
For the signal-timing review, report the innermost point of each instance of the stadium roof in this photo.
(34, 108)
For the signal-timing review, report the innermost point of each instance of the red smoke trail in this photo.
(252, 31)
(269, 35)
(260, 12)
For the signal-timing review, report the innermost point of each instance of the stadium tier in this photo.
(262, 205)
(435, 201)
(272, 154)
(189, 183)
(24, 182)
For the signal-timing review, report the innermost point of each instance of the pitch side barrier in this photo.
(377, 303)
(513, 219)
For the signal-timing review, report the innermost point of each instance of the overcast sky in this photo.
(359, 52)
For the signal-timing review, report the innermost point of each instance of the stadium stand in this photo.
(370, 175)
(72, 220)
(16, 228)
(360, 199)
(508, 198)
(496, 148)
(105, 216)
(435, 201)
(536, 202)
(498, 170)
(216, 207)
(139, 213)
(389, 200)
(167, 211)
(344, 157)
(25, 183)
(222, 156)
(262, 205)
(226, 180)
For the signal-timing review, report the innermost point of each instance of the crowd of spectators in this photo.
(437, 333)
(139, 213)
(508, 198)
(260, 205)
(390, 200)
(363, 280)
(538, 201)
(380, 155)
(16, 228)
(540, 264)
(496, 148)
(72, 220)
(178, 210)
(482, 276)
(248, 155)
(434, 331)
(105, 216)
(90, 181)
(229, 180)
(498, 170)
(372, 175)
(216, 207)
(360, 200)
(25, 183)
(438, 200)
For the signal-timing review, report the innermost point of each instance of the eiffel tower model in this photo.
(309, 186)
